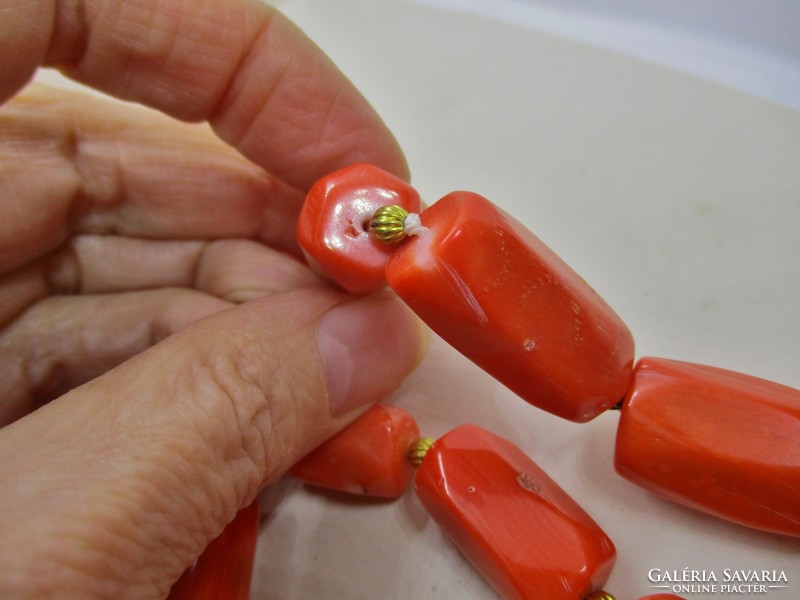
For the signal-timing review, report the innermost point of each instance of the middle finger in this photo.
(74, 164)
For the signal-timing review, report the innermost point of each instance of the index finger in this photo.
(240, 64)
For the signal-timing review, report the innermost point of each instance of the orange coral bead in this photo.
(333, 231)
(715, 440)
(368, 457)
(224, 569)
(502, 298)
(516, 526)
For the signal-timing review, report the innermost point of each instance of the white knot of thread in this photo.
(412, 225)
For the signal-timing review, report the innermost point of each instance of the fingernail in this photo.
(368, 346)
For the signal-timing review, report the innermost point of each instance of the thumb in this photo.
(114, 488)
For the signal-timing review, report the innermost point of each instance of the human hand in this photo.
(162, 356)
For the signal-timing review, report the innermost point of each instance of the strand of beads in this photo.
(526, 536)
(697, 435)
(721, 442)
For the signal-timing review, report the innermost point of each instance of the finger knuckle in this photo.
(243, 391)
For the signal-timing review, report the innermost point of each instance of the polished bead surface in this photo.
(333, 225)
(369, 457)
(715, 440)
(516, 526)
(224, 569)
(502, 298)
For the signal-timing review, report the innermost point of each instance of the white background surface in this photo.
(677, 199)
(749, 45)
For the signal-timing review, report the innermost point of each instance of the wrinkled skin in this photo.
(160, 354)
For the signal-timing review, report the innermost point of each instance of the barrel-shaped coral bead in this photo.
(225, 567)
(715, 440)
(502, 298)
(516, 526)
(369, 457)
(333, 225)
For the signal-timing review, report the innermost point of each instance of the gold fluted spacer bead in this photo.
(388, 223)
(418, 450)
(599, 595)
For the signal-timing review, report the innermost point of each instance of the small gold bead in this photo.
(388, 223)
(599, 595)
(418, 450)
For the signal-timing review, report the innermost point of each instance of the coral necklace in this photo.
(719, 441)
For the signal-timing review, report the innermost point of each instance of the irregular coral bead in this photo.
(718, 441)
(516, 526)
(225, 567)
(368, 457)
(502, 298)
(333, 226)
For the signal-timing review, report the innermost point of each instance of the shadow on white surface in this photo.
(750, 46)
